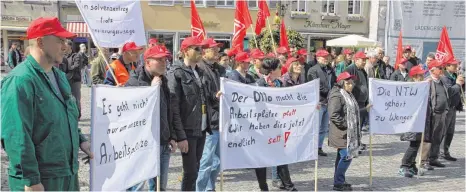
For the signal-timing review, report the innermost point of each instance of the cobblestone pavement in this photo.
(387, 154)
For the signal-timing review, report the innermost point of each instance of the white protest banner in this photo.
(262, 127)
(125, 136)
(113, 23)
(398, 107)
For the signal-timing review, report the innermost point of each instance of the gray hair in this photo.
(431, 55)
(371, 54)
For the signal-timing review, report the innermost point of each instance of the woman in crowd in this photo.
(224, 61)
(240, 73)
(408, 163)
(293, 75)
(344, 131)
(340, 64)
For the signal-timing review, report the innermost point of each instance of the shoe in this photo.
(414, 170)
(278, 184)
(322, 153)
(436, 163)
(342, 187)
(291, 189)
(363, 147)
(405, 172)
(426, 166)
(448, 157)
(347, 184)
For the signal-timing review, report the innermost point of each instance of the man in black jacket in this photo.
(401, 74)
(210, 163)
(327, 78)
(412, 59)
(73, 73)
(189, 94)
(151, 74)
(454, 83)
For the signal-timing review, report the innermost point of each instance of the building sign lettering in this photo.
(15, 18)
(332, 25)
(210, 24)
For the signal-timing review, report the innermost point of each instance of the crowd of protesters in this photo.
(40, 114)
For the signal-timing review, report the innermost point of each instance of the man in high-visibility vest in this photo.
(123, 65)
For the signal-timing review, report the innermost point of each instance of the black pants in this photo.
(191, 162)
(283, 174)
(409, 159)
(438, 126)
(450, 124)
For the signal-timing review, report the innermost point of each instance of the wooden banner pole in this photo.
(315, 174)
(108, 65)
(221, 181)
(370, 159)
(158, 183)
(271, 36)
(420, 155)
(254, 36)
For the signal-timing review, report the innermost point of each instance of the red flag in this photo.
(242, 22)
(399, 51)
(262, 16)
(283, 36)
(444, 52)
(197, 28)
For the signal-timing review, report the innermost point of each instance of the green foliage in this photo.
(265, 41)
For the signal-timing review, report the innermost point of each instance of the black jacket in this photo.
(454, 90)
(412, 61)
(326, 77)
(236, 76)
(212, 74)
(387, 69)
(361, 84)
(74, 68)
(397, 76)
(140, 77)
(187, 97)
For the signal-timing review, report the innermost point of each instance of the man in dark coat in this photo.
(14, 56)
(402, 73)
(408, 54)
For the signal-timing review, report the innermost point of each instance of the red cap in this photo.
(271, 55)
(360, 55)
(44, 26)
(347, 51)
(130, 46)
(257, 54)
(191, 41)
(416, 70)
(210, 42)
(156, 52)
(403, 61)
(153, 41)
(302, 52)
(242, 57)
(322, 53)
(452, 62)
(434, 63)
(407, 48)
(282, 50)
(345, 75)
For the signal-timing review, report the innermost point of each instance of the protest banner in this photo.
(398, 107)
(263, 127)
(125, 136)
(112, 23)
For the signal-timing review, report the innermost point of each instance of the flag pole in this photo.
(254, 36)
(420, 155)
(315, 174)
(271, 36)
(370, 159)
(221, 181)
(108, 65)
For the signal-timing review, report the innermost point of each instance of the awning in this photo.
(79, 28)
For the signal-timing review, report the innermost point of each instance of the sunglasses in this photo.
(198, 49)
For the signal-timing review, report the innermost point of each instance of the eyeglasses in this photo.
(198, 49)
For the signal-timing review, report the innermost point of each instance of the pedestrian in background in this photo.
(98, 66)
(14, 56)
(122, 66)
(83, 59)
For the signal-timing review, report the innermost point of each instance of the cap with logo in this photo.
(434, 63)
(344, 76)
(156, 52)
(191, 41)
(257, 54)
(360, 55)
(210, 43)
(44, 26)
(302, 52)
(322, 53)
(242, 57)
(347, 51)
(130, 46)
(416, 70)
(282, 50)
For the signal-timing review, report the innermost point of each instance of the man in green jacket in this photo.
(39, 116)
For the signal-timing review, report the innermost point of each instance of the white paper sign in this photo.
(262, 127)
(125, 136)
(113, 23)
(398, 107)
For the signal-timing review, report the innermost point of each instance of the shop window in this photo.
(329, 6)
(225, 39)
(166, 39)
(187, 3)
(254, 4)
(273, 4)
(42, 2)
(299, 6)
(226, 3)
(354, 7)
(161, 2)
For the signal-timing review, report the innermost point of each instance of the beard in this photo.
(52, 59)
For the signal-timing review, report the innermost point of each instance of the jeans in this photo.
(341, 166)
(164, 163)
(409, 159)
(191, 161)
(275, 174)
(86, 76)
(324, 121)
(210, 163)
(449, 131)
(438, 122)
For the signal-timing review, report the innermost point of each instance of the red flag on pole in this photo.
(399, 51)
(242, 22)
(444, 53)
(197, 28)
(283, 36)
(262, 16)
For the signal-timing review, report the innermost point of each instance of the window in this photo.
(252, 3)
(273, 4)
(354, 7)
(37, 2)
(161, 2)
(298, 5)
(328, 6)
(225, 3)
(198, 3)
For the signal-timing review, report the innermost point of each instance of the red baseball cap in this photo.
(322, 53)
(282, 50)
(407, 48)
(257, 54)
(360, 55)
(153, 41)
(434, 63)
(416, 70)
(289, 61)
(191, 41)
(156, 52)
(44, 26)
(344, 76)
(347, 51)
(403, 61)
(210, 42)
(130, 46)
(271, 55)
(302, 52)
(242, 57)
(452, 62)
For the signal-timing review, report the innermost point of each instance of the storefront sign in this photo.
(210, 24)
(16, 18)
(331, 25)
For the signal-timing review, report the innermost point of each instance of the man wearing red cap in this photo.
(40, 131)
(189, 92)
(326, 76)
(402, 73)
(210, 163)
(254, 70)
(408, 54)
(348, 56)
(123, 65)
(150, 74)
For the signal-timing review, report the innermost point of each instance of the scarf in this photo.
(352, 120)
